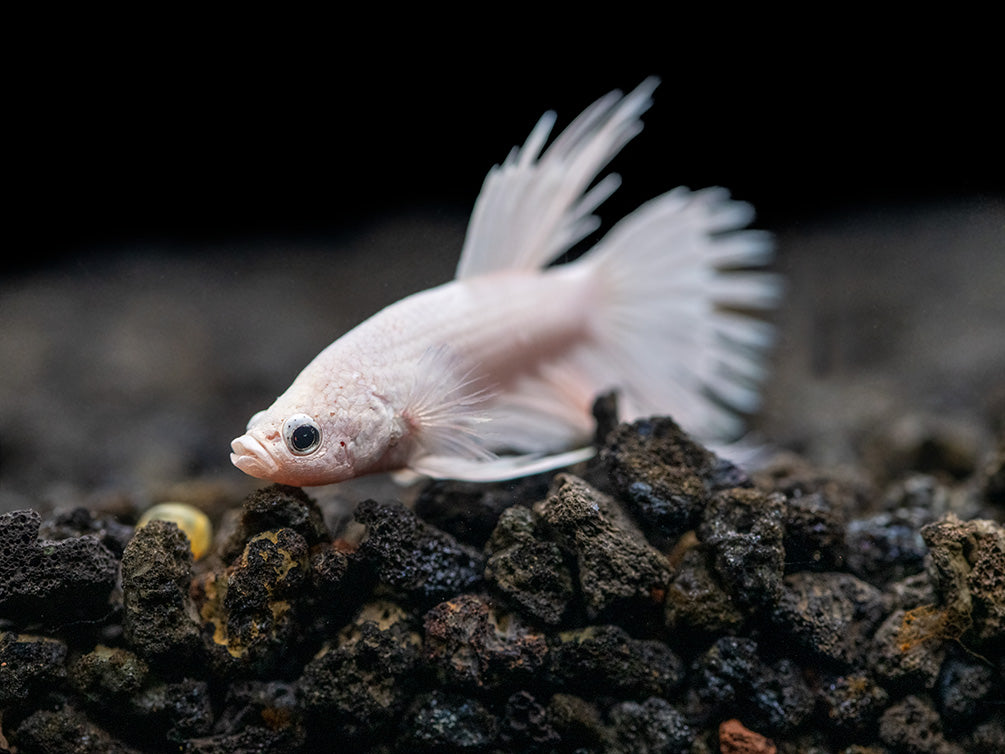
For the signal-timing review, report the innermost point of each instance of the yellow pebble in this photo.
(193, 522)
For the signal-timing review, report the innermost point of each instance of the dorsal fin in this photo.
(535, 206)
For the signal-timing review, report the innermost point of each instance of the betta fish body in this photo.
(493, 375)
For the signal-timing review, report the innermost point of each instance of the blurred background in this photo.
(192, 218)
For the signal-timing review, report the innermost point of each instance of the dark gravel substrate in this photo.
(657, 599)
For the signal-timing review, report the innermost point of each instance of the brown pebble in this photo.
(735, 739)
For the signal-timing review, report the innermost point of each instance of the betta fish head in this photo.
(310, 443)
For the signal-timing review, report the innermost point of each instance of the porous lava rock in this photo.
(272, 508)
(414, 559)
(735, 675)
(249, 604)
(649, 727)
(698, 605)
(618, 572)
(852, 704)
(29, 666)
(160, 620)
(528, 568)
(663, 475)
(66, 729)
(968, 570)
(830, 615)
(47, 582)
(469, 511)
(743, 532)
(360, 682)
(605, 660)
(470, 641)
(656, 599)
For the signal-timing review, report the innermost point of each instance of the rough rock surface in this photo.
(52, 581)
(657, 600)
(160, 619)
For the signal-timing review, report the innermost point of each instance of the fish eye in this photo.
(302, 434)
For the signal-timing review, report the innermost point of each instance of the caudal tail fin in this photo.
(680, 330)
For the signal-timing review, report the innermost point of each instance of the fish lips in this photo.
(251, 457)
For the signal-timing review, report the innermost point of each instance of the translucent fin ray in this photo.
(496, 469)
(680, 277)
(535, 206)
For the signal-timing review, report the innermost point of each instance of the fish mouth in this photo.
(251, 457)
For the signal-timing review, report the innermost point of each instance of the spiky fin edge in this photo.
(532, 208)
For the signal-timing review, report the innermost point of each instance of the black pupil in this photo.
(304, 437)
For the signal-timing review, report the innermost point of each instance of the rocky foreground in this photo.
(657, 599)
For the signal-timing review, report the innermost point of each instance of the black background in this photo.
(165, 131)
(219, 164)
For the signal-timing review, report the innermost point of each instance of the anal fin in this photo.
(498, 468)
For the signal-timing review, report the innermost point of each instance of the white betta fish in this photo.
(493, 375)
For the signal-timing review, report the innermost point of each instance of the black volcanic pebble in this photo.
(606, 660)
(987, 737)
(359, 683)
(743, 531)
(528, 568)
(829, 615)
(108, 675)
(887, 546)
(276, 507)
(619, 573)
(471, 643)
(337, 583)
(781, 697)
(650, 727)
(900, 663)
(525, 725)
(111, 678)
(524, 617)
(578, 724)
(76, 522)
(913, 592)
(29, 665)
(182, 709)
(66, 731)
(734, 680)
(576, 541)
(414, 559)
(160, 620)
(814, 538)
(250, 603)
(965, 689)
(663, 475)
(913, 725)
(257, 716)
(49, 582)
(698, 606)
(440, 721)
(851, 704)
